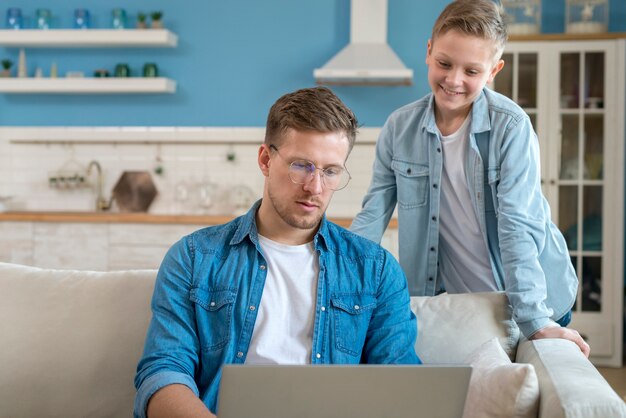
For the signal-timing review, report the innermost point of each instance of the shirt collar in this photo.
(479, 123)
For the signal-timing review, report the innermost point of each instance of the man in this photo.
(280, 284)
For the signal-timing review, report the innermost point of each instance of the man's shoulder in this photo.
(346, 243)
(213, 238)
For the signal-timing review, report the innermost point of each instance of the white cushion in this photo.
(71, 340)
(451, 327)
(499, 388)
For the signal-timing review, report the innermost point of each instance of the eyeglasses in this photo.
(303, 171)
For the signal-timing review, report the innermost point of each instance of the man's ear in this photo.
(263, 159)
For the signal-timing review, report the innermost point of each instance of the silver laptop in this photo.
(359, 391)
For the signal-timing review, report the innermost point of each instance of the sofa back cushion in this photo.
(450, 327)
(71, 340)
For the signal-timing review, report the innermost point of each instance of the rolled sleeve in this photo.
(156, 382)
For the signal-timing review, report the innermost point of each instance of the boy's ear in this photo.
(495, 70)
(429, 47)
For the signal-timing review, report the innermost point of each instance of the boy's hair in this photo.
(315, 109)
(480, 18)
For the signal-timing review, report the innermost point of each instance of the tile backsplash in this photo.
(188, 157)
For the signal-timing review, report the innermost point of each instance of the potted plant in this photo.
(141, 20)
(157, 21)
(6, 68)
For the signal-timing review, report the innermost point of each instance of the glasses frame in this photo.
(322, 171)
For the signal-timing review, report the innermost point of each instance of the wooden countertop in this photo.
(141, 218)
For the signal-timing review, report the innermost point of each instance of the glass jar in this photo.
(587, 16)
(118, 18)
(523, 17)
(43, 18)
(82, 19)
(14, 18)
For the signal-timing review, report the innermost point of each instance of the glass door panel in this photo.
(568, 215)
(570, 161)
(594, 147)
(594, 80)
(570, 80)
(527, 80)
(592, 284)
(592, 218)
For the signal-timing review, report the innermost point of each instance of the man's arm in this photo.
(393, 327)
(177, 401)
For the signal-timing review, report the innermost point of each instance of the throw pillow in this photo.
(499, 388)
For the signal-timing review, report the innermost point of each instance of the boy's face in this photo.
(296, 209)
(459, 66)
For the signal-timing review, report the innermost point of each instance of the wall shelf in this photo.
(81, 38)
(111, 85)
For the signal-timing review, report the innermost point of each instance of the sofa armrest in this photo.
(569, 385)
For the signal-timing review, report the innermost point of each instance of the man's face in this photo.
(299, 206)
(459, 66)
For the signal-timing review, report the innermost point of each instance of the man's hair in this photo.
(315, 109)
(479, 18)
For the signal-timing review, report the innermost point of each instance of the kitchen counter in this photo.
(139, 218)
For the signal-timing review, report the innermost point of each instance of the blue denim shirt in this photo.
(528, 254)
(209, 280)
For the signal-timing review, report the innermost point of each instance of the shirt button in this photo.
(240, 354)
(435, 186)
(357, 307)
(432, 248)
(430, 279)
(212, 303)
(323, 308)
(438, 149)
(318, 355)
(262, 267)
(434, 218)
(252, 307)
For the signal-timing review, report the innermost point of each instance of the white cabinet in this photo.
(574, 93)
(87, 38)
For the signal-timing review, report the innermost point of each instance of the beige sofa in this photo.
(71, 341)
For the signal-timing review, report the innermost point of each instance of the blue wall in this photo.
(234, 59)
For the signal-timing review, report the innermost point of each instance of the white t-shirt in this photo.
(464, 262)
(283, 331)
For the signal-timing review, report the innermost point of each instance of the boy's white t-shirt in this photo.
(464, 262)
(283, 331)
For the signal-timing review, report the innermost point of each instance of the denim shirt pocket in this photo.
(411, 183)
(493, 179)
(214, 311)
(352, 313)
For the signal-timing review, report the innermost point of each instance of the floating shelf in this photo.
(90, 85)
(80, 38)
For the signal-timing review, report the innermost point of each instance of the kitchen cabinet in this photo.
(573, 91)
(87, 38)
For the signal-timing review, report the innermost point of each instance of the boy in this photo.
(462, 164)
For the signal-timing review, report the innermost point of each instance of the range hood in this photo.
(367, 60)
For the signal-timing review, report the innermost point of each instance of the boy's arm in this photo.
(380, 200)
(393, 327)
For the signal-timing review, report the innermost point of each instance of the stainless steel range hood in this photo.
(367, 60)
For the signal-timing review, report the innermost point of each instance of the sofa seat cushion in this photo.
(71, 340)
(451, 327)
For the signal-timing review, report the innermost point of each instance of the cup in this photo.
(150, 69)
(43, 18)
(14, 18)
(82, 19)
(122, 70)
(100, 73)
(118, 18)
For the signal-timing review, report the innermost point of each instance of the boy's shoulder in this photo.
(497, 101)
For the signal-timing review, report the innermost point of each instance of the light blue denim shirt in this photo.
(529, 256)
(209, 282)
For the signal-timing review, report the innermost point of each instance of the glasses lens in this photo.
(302, 171)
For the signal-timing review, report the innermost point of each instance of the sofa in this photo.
(71, 341)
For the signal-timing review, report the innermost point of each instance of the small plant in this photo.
(6, 64)
(141, 20)
(156, 19)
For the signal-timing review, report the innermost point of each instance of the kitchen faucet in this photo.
(101, 203)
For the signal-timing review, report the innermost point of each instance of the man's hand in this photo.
(564, 333)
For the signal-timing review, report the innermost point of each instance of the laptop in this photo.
(346, 391)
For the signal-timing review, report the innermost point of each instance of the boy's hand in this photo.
(564, 333)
